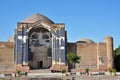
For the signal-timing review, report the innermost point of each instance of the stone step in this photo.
(40, 71)
(45, 74)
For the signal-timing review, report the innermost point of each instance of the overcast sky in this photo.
(93, 19)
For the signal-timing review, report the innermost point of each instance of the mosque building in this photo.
(40, 43)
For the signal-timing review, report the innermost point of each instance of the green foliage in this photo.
(117, 52)
(73, 57)
(117, 58)
(18, 72)
(112, 70)
(63, 70)
(87, 70)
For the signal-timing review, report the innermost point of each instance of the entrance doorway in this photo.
(39, 64)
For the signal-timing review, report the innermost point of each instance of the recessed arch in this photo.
(39, 47)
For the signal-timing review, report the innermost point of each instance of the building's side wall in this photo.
(6, 55)
(102, 56)
(60, 44)
(88, 54)
(71, 47)
(109, 47)
(95, 56)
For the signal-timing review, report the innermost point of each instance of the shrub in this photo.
(63, 70)
(87, 70)
(112, 70)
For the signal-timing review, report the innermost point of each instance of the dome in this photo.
(85, 40)
(38, 17)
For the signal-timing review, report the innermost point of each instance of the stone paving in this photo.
(96, 77)
(29, 78)
(70, 77)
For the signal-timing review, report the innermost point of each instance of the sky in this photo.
(92, 19)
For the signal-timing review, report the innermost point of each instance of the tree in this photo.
(112, 71)
(73, 58)
(117, 58)
(63, 72)
(18, 73)
(87, 71)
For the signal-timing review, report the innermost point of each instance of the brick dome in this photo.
(85, 40)
(37, 17)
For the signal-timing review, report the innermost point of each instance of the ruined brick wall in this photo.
(6, 55)
(102, 56)
(71, 47)
(95, 56)
(88, 54)
(109, 47)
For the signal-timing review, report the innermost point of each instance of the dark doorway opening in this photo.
(40, 64)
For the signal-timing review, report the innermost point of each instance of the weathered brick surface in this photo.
(88, 53)
(21, 68)
(59, 67)
(6, 55)
(95, 56)
(71, 47)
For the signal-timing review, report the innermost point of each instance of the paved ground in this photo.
(96, 77)
(29, 79)
(77, 77)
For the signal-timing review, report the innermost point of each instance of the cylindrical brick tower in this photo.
(109, 46)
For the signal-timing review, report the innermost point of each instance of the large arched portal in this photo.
(39, 48)
(39, 44)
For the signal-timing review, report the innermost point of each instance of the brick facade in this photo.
(40, 43)
(95, 56)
